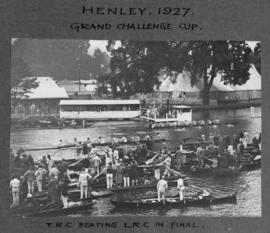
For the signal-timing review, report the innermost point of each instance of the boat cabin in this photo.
(99, 109)
(183, 113)
(176, 113)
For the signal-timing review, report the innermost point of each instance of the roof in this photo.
(47, 89)
(98, 102)
(181, 106)
(84, 87)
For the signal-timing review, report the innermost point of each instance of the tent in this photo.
(182, 83)
(47, 89)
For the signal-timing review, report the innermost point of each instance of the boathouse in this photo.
(42, 100)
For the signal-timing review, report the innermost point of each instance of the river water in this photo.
(247, 184)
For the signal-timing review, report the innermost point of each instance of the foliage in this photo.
(206, 59)
(21, 81)
(132, 69)
(255, 57)
(136, 65)
(61, 58)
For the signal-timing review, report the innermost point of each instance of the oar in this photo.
(152, 159)
(175, 172)
(95, 177)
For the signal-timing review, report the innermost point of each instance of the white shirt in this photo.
(230, 149)
(15, 184)
(83, 178)
(168, 161)
(96, 160)
(116, 154)
(50, 163)
(54, 172)
(108, 160)
(162, 185)
(180, 183)
(40, 173)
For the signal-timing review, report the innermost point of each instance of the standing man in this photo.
(126, 175)
(178, 155)
(96, 162)
(134, 173)
(64, 192)
(109, 176)
(162, 185)
(116, 156)
(30, 177)
(260, 141)
(54, 172)
(83, 183)
(52, 189)
(49, 162)
(245, 139)
(181, 188)
(39, 177)
(167, 163)
(15, 190)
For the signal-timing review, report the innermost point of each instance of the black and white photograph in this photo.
(104, 128)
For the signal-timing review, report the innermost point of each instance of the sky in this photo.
(101, 44)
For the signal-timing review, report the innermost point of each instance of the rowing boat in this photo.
(174, 202)
(217, 172)
(74, 195)
(250, 166)
(62, 211)
(74, 146)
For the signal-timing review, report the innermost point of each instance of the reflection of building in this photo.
(43, 100)
(80, 89)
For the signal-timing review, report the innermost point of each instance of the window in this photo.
(185, 110)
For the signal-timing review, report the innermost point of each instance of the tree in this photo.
(100, 63)
(132, 70)
(205, 59)
(255, 57)
(136, 65)
(21, 81)
(60, 58)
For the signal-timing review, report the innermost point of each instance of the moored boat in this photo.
(174, 202)
(218, 172)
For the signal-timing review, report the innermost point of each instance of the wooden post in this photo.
(252, 112)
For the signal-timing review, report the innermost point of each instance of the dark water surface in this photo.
(247, 185)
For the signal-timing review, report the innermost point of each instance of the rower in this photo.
(124, 139)
(162, 185)
(147, 137)
(101, 140)
(88, 142)
(61, 142)
(203, 194)
(181, 188)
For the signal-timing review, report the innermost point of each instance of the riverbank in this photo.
(226, 106)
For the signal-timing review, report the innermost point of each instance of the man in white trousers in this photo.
(162, 185)
(181, 188)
